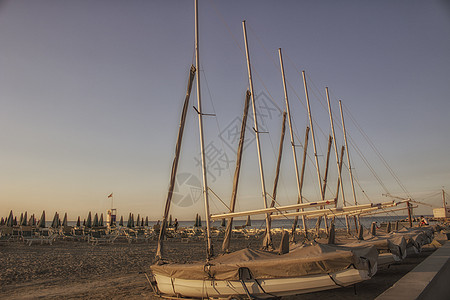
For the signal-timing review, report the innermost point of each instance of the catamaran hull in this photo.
(266, 287)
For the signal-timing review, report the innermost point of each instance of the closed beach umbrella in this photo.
(100, 222)
(95, 222)
(78, 222)
(10, 221)
(196, 221)
(170, 221)
(55, 221)
(146, 221)
(121, 221)
(15, 221)
(223, 224)
(199, 221)
(41, 223)
(25, 219)
(21, 219)
(2, 222)
(142, 222)
(32, 221)
(129, 221)
(89, 221)
(84, 222)
(138, 220)
(132, 220)
(248, 222)
(64, 222)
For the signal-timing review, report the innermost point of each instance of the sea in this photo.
(286, 223)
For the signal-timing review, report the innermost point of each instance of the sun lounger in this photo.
(97, 237)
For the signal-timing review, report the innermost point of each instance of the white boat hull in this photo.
(270, 287)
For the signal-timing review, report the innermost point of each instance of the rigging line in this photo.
(215, 195)
(275, 64)
(355, 179)
(366, 162)
(377, 152)
(314, 86)
(370, 168)
(217, 123)
(243, 52)
(397, 179)
(222, 19)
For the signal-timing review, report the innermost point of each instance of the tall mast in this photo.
(160, 247)
(322, 194)
(445, 206)
(267, 239)
(299, 186)
(227, 236)
(209, 249)
(348, 156)
(339, 165)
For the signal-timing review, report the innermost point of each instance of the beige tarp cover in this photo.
(388, 243)
(300, 261)
(416, 237)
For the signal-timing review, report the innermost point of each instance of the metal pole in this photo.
(267, 240)
(339, 165)
(299, 186)
(322, 195)
(348, 156)
(209, 249)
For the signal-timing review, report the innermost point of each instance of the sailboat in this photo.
(248, 272)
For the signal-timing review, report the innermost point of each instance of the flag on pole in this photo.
(110, 195)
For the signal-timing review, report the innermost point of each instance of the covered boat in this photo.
(264, 274)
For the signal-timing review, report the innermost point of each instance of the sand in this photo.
(75, 270)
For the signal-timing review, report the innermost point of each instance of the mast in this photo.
(299, 186)
(277, 171)
(338, 162)
(227, 237)
(209, 249)
(325, 176)
(267, 239)
(280, 154)
(445, 206)
(322, 194)
(159, 251)
(348, 158)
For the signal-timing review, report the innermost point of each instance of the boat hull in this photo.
(265, 288)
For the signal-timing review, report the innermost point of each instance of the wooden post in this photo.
(409, 214)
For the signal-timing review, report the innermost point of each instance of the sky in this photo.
(91, 94)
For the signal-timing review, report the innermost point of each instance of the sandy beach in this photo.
(78, 270)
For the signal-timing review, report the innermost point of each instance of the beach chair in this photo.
(142, 235)
(47, 236)
(78, 234)
(66, 233)
(28, 235)
(5, 234)
(100, 236)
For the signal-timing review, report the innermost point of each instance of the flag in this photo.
(110, 195)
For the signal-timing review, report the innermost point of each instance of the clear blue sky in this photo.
(91, 92)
